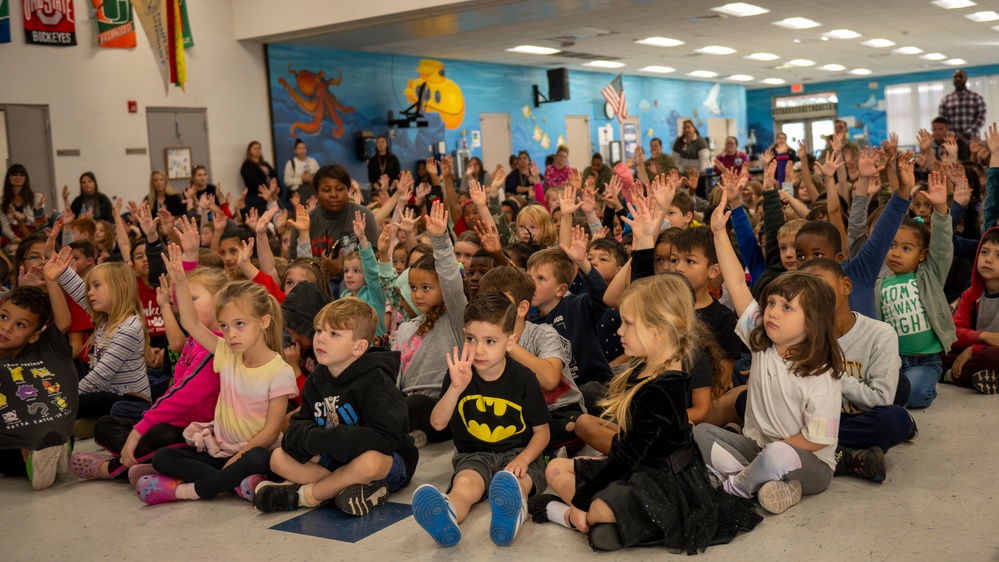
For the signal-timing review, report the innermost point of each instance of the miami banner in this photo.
(4, 22)
(115, 27)
(49, 22)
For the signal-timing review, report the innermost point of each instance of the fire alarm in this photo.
(133, 106)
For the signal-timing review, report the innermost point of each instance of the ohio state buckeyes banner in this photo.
(49, 22)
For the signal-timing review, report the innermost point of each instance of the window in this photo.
(911, 107)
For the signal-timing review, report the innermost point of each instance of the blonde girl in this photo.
(534, 224)
(117, 359)
(651, 468)
(192, 397)
(304, 269)
(255, 384)
(793, 401)
(162, 196)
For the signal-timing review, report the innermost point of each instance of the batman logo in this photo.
(491, 419)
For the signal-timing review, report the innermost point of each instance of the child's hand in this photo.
(360, 221)
(567, 201)
(190, 239)
(962, 192)
(575, 179)
(580, 241)
(460, 367)
(867, 163)
(405, 182)
(57, 264)
(302, 220)
(588, 198)
(477, 194)
(50, 242)
(832, 163)
(645, 222)
(936, 191)
(874, 185)
(535, 172)
(384, 243)
(488, 238)
(517, 467)
(251, 219)
(218, 218)
(65, 194)
(602, 232)
(445, 165)
(164, 293)
(906, 175)
(146, 221)
(407, 221)
(663, 189)
(719, 218)
(174, 264)
(128, 450)
(963, 358)
(437, 220)
(32, 277)
(422, 191)
(770, 177)
(166, 219)
(264, 220)
(612, 192)
(293, 354)
(499, 180)
(245, 253)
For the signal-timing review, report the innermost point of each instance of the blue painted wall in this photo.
(371, 84)
(856, 99)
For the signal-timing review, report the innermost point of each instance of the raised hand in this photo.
(385, 242)
(588, 199)
(719, 218)
(164, 293)
(266, 219)
(874, 185)
(867, 163)
(431, 166)
(407, 221)
(489, 238)
(245, 252)
(936, 191)
(252, 217)
(906, 175)
(612, 192)
(567, 201)
(477, 194)
(174, 263)
(360, 221)
(499, 180)
(445, 165)
(832, 163)
(241, 202)
(383, 180)
(730, 185)
(602, 232)
(580, 241)
(422, 191)
(962, 192)
(770, 177)
(645, 222)
(992, 139)
(459, 367)
(190, 197)
(65, 194)
(535, 172)
(405, 181)
(437, 220)
(768, 157)
(575, 179)
(146, 221)
(57, 264)
(187, 231)
(354, 193)
(950, 146)
(664, 189)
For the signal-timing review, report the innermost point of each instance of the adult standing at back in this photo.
(963, 109)
(383, 162)
(89, 199)
(256, 172)
(691, 149)
(298, 172)
(658, 163)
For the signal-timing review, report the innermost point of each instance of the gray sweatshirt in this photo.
(870, 349)
(424, 363)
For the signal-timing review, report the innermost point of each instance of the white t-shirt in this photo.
(781, 404)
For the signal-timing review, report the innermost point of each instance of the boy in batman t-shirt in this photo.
(499, 419)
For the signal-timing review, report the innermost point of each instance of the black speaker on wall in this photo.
(558, 84)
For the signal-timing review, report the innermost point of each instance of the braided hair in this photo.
(428, 263)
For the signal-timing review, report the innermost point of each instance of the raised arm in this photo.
(265, 257)
(828, 169)
(53, 269)
(731, 269)
(188, 316)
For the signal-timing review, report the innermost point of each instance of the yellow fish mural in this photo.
(561, 140)
(545, 142)
(651, 132)
(537, 133)
(444, 96)
(526, 110)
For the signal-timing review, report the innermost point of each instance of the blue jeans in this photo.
(923, 373)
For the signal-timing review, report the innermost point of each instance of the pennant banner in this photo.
(188, 38)
(4, 22)
(153, 15)
(115, 26)
(49, 22)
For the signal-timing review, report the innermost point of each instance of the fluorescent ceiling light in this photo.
(934, 56)
(878, 43)
(604, 64)
(740, 77)
(801, 62)
(533, 50)
(716, 50)
(659, 69)
(952, 4)
(908, 51)
(860, 71)
(763, 56)
(797, 23)
(740, 10)
(979, 17)
(773, 81)
(659, 42)
(833, 67)
(702, 74)
(842, 34)
(955, 62)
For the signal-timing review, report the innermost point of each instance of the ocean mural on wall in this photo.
(324, 96)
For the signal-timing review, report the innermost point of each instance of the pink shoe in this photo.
(138, 471)
(248, 485)
(156, 488)
(87, 466)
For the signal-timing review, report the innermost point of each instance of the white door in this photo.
(496, 143)
(577, 138)
(179, 127)
(718, 131)
(28, 142)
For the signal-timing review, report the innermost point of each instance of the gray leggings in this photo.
(743, 467)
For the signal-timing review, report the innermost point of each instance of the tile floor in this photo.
(939, 503)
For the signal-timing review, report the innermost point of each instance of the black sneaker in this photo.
(915, 430)
(537, 506)
(986, 382)
(360, 499)
(276, 497)
(866, 463)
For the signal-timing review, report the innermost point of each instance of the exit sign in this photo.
(797, 88)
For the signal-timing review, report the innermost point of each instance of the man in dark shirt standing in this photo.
(963, 109)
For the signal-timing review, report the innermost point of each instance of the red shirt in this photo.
(151, 308)
(79, 322)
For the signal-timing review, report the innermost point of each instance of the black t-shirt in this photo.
(700, 375)
(721, 321)
(38, 394)
(498, 416)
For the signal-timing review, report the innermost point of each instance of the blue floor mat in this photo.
(328, 522)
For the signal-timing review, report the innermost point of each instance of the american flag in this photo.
(614, 94)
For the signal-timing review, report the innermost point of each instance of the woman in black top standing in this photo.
(90, 197)
(383, 162)
(256, 172)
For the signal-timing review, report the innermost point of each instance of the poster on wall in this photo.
(4, 22)
(115, 25)
(629, 133)
(178, 163)
(49, 23)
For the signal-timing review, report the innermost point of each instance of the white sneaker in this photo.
(43, 465)
(508, 506)
(777, 496)
(434, 512)
(419, 438)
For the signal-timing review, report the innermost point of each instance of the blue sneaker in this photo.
(434, 512)
(508, 507)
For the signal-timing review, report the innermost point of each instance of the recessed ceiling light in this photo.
(842, 34)
(763, 56)
(716, 50)
(995, 27)
(702, 74)
(773, 81)
(955, 62)
(740, 10)
(740, 77)
(833, 67)
(878, 43)
(604, 64)
(934, 56)
(952, 4)
(801, 62)
(659, 42)
(907, 51)
(797, 23)
(659, 69)
(982, 16)
(860, 71)
(533, 50)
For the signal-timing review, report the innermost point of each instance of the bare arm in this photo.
(732, 272)
(188, 316)
(60, 308)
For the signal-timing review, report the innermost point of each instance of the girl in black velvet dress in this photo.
(653, 489)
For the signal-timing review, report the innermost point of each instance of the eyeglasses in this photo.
(33, 258)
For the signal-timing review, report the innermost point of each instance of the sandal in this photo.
(87, 466)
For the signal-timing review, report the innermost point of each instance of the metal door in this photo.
(497, 145)
(29, 142)
(178, 127)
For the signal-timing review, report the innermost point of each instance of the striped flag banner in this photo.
(614, 94)
(4, 22)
